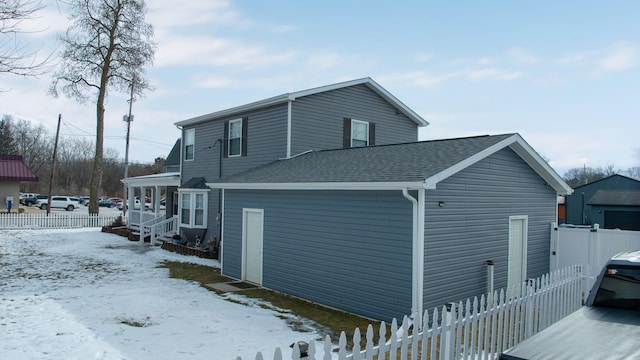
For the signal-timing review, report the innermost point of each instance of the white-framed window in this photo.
(189, 143)
(359, 133)
(193, 208)
(235, 137)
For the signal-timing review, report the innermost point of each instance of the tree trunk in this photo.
(96, 175)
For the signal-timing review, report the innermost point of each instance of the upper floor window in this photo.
(189, 143)
(357, 133)
(235, 137)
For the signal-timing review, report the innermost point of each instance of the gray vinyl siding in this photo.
(349, 250)
(318, 119)
(266, 142)
(472, 226)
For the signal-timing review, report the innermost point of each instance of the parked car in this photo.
(136, 205)
(116, 200)
(606, 327)
(106, 203)
(32, 200)
(59, 202)
(24, 196)
(84, 200)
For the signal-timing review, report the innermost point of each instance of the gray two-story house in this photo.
(327, 194)
(343, 115)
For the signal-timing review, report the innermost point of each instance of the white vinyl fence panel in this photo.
(473, 329)
(590, 246)
(55, 221)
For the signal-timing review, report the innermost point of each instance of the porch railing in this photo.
(163, 228)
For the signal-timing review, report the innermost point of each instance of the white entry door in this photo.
(517, 270)
(252, 243)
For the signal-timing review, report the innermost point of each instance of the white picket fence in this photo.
(55, 220)
(474, 329)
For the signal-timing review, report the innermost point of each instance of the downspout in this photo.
(417, 263)
(289, 129)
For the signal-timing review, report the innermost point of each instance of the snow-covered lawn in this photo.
(84, 294)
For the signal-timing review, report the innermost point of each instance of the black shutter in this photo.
(225, 141)
(346, 133)
(372, 133)
(245, 120)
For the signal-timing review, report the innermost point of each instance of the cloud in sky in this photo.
(465, 75)
(522, 56)
(622, 56)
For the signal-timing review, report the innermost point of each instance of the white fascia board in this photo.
(522, 149)
(540, 166)
(373, 86)
(187, 190)
(234, 110)
(433, 180)
(320, 186)
(321, 89)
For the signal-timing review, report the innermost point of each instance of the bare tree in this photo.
(33, 143)
(107, 47)
(15, 57)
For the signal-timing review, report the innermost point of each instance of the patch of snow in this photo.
(84, 294)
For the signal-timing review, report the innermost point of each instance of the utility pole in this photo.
(53, 165)
(128, 119)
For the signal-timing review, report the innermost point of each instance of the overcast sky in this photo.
(565, 75)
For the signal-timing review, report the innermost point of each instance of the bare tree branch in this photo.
(16, 58)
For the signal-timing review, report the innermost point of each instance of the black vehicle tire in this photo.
(70, 207)
(43, 207)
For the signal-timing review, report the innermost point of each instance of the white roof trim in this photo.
(520, 147)
(162, 179)
(320, 186)
(294, 95)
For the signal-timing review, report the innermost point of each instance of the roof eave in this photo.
(414, 185)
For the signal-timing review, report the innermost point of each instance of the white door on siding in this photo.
(517, 270)
(252, 242)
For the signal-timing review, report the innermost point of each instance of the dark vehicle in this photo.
(32, 200)
(106, 203)
(607, 327)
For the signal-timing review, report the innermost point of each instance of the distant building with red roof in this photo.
(13, 171)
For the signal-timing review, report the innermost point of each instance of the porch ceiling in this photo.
(163, 179)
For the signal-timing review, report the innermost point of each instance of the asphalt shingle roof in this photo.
(13, 169)
(173, 159)
(616, 197)
(406, 162)
(195, 183)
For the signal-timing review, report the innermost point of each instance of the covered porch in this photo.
(143, 209)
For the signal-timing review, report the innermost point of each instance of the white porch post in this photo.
(156, 201)
(143, 202)
(127, 202)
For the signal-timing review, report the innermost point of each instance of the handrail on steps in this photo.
(161, 228)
